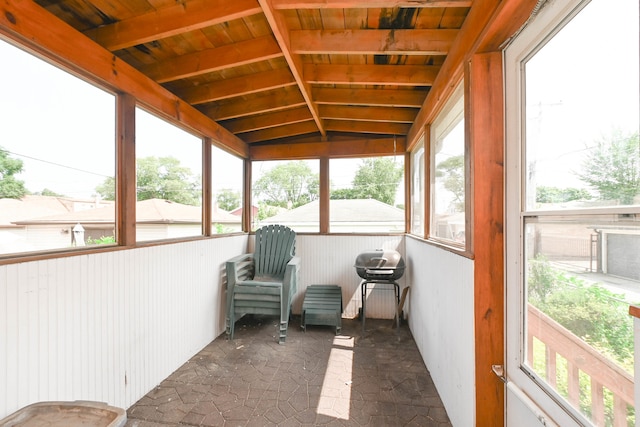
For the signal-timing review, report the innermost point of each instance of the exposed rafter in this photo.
(206, 61)
(238, 86)
(280, 30)
(389, 42)
(272, 101)
(368, 127)
(398, 75)
(356, 4)
(268, 120)
(280, 132)
(172, 20)
(373, 97)
(370, 114)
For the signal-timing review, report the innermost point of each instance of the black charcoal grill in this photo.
(379, 267)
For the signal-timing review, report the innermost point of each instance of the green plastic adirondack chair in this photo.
(265, 281)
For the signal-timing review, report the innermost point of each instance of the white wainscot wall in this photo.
(330, 260)
(108, 327)
(441, 321)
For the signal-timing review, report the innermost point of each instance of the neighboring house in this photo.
(14, 213)
(22, 231)
(254, 214)
(345, 216)
(238, 211)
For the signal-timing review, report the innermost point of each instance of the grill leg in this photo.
(364, 303)
(397, 292)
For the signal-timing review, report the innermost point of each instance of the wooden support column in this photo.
(325, 195)
(484, 76)
(126, 196)
(407, 192)
(247, 201)
(426, 212)
(207, 192)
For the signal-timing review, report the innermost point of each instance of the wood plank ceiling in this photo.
(283, 71)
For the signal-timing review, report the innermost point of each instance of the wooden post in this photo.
(486, 130)
(126, 196)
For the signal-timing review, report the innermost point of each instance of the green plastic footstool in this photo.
(322, 305)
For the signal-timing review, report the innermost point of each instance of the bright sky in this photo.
(579, 92)
(46, 114)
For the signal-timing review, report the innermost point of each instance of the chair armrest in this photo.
(239, 268)
(290, 282)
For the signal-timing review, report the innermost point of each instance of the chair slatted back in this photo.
(275, 246)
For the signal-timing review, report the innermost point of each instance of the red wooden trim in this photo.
(486, 124)
(634, 311)
(126, 196)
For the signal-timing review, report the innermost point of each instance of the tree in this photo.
(228, 199)
(160, 178)
(289, 185)
(344, 193)
(48, 192)
(612, 168)
(452, 172)
(559, 195)
(10, 187)
(378, 178)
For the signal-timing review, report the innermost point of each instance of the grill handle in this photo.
(379, 272)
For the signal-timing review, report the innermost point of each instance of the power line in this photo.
(57, 164)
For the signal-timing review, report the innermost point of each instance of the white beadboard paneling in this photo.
(330, 260)
(441, 320)
(110, 326)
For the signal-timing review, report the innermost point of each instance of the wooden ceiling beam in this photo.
(397, 75)
(375, 97)
(367, 127)
(267, 120)
(371, 114)
(169, 21)
(274, 101)
(361, 147)
(367, 4)
(237, 86)
(388, 42)
(281, 32)
(209, 60)
(279, 132)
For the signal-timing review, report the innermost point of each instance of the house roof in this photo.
(33, 206)
(350, 210)
(147, 211)
(283, 71)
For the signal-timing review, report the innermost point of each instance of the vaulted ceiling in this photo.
(274, 71)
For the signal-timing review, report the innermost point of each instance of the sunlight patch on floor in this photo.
(335, 396)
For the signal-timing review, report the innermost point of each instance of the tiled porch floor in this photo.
(316, 378)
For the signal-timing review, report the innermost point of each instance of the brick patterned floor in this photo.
(315, 379)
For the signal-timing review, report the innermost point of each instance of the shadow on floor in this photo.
(316, 378)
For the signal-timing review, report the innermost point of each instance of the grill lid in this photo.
(380, 264)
